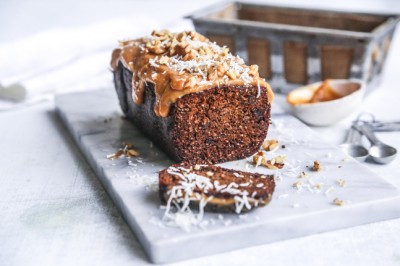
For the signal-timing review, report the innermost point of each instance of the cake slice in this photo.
(191, 97)
(213, 188)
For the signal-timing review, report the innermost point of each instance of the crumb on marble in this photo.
(318, 186)
(317, 166)
(127, 150)
(341, 182)
(338, 202)
(275, 163)
(303, 174)
(270, 145)
(297, 185)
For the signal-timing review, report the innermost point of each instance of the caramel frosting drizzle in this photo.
(181, 63)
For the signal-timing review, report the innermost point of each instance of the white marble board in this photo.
(95, 122)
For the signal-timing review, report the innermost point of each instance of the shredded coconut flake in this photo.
(329, 190)
(283, 196)
(177, 212)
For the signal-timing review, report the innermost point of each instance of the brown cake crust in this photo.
(211, 126)
(230, 184)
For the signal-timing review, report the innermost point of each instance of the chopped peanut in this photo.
(273, 164)
(127, 151)
(317, 166)
(338, 202)
(270, 145)
(341, 182)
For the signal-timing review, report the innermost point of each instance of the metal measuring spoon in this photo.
(380, 152)
(352, 145)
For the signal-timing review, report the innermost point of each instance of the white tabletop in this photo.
(54, 211)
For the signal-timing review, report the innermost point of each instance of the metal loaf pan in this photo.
(295, 46)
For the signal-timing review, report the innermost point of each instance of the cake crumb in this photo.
(303, 175)
(115, 155)
(338, 202)
(297, 185)
(275, 163)
(271, 145)
(132, 153)
(317, 166)
(127, 150)
(318, 186)
(341, 182)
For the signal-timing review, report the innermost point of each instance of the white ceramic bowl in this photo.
(329, 112)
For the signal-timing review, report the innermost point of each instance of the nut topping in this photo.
(271, 145)
(317, 166)
(183, 61)
(127, 150)
(273, 164)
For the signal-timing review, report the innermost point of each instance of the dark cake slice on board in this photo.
(213, 188)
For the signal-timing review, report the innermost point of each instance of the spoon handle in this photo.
(367, 131)
(386, 126)
(353, 136)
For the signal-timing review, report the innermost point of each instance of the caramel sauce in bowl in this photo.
(325, 103)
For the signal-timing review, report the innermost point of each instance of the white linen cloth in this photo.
(64, 60)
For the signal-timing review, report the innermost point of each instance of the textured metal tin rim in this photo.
(198, 17)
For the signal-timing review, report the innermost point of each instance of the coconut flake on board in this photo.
(177, 212)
